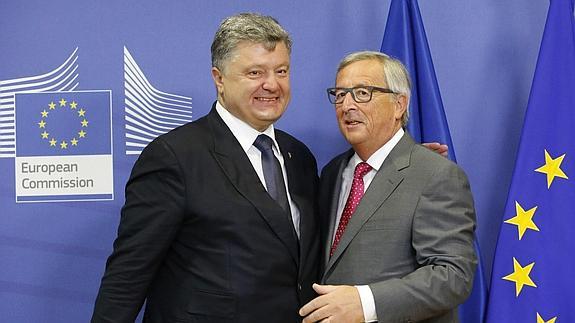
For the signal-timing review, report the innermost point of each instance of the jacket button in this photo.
(299, 286)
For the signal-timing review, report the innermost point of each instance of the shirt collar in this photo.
(244, 133)
(379, 156)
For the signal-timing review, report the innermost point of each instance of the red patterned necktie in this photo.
(355, 195)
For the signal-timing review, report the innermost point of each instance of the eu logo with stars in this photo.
(63, 123)
(63, 146)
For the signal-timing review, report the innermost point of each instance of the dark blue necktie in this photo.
(272, 172)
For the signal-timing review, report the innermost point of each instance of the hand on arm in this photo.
(441, 149)
(339, 303)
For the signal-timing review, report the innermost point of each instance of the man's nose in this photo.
(270, 82)
(348, 102)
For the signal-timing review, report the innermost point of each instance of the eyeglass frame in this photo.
(351, 90)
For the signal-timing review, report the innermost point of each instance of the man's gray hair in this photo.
(251, 27)
(394, 72)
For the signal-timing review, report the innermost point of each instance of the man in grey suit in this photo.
(397, 219)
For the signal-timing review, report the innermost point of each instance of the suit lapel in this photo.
(237, 167)
(302, 202)
(387, 179)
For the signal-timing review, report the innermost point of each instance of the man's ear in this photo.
(400, 106)
(218, 80)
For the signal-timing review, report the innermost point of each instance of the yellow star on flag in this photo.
(74, 142)
(523, 220)
(520, 276)
(42, 124)
(53, 142)
(73, 105)
(541, 320)
(44, 114)
(552, 168)
(81, 113)
(63, 102)
(52, 105)
(64, 145)
(45, 135)
(82, 133)
(84, 123)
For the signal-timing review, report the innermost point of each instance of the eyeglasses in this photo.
(360, 94)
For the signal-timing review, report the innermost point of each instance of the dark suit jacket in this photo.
(410, 238)
(201, 240)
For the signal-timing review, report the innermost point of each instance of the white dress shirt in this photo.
(246, 135)
(375, 161)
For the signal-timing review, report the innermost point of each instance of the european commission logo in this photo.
(61, 137)
(63, 146)
(149, 111)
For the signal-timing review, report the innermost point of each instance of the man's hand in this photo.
(437, 147)
(334, 304)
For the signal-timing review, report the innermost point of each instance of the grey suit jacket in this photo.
(410, 238)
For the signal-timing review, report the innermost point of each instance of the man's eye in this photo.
(340, 94)
(254, 73)
(361, 92)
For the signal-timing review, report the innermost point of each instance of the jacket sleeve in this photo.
(150, 219)
(442, 238)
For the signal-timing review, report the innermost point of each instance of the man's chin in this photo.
(353, 138)
(352, 132)
(268, 119)
(270, 114)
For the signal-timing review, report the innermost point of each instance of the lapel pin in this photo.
(289, 155)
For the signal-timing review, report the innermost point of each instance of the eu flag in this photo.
(533, 268)
(405, 39)
(63, 123)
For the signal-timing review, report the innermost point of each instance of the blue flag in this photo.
(63, 123)
(405, 40)
(533, 268)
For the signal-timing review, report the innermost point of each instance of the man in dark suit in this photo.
(397, 220)
(208, 232)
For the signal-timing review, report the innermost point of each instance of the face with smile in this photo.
(368, 126)
(254, 83)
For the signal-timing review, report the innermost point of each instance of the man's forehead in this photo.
(360, 77)
(258, 54)
(269, 47)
